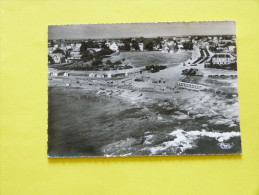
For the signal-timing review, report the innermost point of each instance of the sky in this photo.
(120, 30)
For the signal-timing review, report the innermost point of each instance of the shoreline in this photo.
(161, 88)
(145, 114)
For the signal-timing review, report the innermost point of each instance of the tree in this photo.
(58, 50)
(103, 52)
(108, 62)
(118, 62)
(148, 45)
(188, 45)
(86, 56)
(103, 45)
(89, 44)
(127, 47)
(83, 47)
(135, 45)
(97, 62)
(158, 40)
(52, 43)
(50, 60)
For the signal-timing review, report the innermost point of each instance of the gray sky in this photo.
(96, 31)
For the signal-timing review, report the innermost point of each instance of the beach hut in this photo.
(92, 75)
(119, 75)
(104, 75)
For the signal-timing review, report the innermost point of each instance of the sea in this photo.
(81, 123)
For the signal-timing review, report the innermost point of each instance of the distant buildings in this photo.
(74, 55)
(109, 75)
(55, 73)
(223, 59)
(190, 86)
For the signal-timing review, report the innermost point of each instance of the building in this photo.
(57, 57)
(168, 49)
(50, 50)
(190, 86)
(119, 75)
(114, 47)
(141, 46)
(74, 55)
(223, 59)
(232, 49)
(92, 75)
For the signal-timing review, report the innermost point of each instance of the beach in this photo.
(147, 116)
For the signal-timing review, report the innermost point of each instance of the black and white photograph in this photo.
(143, 89)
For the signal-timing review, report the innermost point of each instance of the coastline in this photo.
(167, 118)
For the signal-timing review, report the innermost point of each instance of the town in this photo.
(216, 51)
(135, 57)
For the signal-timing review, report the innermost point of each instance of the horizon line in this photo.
(142, 37)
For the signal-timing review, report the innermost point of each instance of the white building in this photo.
(141, 46)
(223, 59)
(232, 48)
(75, 55)
(92, 75)
(114, 47)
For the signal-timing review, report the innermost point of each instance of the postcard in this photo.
(143, 89)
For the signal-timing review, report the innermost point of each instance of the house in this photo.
(168, 49)
(75, 55)
(57, 57)
(114, 47)
(232, 48)
(119, 75)
(141, 46)
(75, 46)
(190, 86)
(56, 73)
(50, 50)
(92, 75)
(223, 59)
(66, 74)
(55, 46)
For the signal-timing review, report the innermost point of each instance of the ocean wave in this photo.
(184, 140)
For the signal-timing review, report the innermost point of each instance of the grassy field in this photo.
(135, 59)
(139, 59)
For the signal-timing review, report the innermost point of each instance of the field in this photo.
(140, 59)
(135, 59)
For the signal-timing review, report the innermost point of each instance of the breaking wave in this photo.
(184, 140)
(175, 143)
